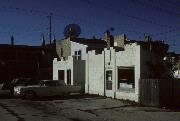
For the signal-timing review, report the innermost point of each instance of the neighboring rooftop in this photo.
(90, 42)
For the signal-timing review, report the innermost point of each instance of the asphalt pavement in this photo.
(81, 108)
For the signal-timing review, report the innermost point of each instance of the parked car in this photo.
(9, 86)
(45, 88)
(22, 82)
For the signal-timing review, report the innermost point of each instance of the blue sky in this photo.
(27, 19)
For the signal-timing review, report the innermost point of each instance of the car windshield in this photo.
(52, 83)
(25, 81)
(32, 82)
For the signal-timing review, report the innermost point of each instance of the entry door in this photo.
(109, 84)
(60, 74)
(69, 77)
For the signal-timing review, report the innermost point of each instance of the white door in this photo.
(109, 91)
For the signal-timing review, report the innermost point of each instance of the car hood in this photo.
(27, 86)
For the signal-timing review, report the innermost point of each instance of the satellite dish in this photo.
(72, 30)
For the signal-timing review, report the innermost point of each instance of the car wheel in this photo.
(30, 95)
(66, 93)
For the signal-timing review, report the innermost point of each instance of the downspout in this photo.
(104, 76)
(115, 73)
(88, 72)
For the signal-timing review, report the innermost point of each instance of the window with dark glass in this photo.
(77, 55)
(69, 77)
(109, 80)
(126, 78)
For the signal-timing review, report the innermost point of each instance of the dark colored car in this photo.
(19, 82)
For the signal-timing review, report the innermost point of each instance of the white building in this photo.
(71, 71)
(117, 74)
(114, 74)
(72, 53)
(114, 71)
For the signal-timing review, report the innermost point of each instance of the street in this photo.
(81, 108)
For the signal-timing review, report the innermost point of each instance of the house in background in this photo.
(174, 60)
(48, 53)
(18, 61)
(23, 61)
(117, 72)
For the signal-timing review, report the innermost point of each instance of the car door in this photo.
(43, 89)
(52, 88)
(61, 89)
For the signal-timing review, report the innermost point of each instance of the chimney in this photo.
(109, 39)
(147, 38)
(12, 40)
(119, 40)
(94, 37)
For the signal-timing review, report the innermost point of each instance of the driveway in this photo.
(81, 108)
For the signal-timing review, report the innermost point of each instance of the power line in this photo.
(172, 29)
(170, 3)
(57, 16)
(23, 10)
(42, 13)
(166, 32)
(144, 4)
(107, 7)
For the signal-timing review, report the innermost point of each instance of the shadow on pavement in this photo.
(66, 97)
(7, 96)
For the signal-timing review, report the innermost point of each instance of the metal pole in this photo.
(50, 27)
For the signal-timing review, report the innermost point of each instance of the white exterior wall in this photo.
(97, 65)
(63, 65)
(69, 63)
(76, 47)
(94, 73)
(129, 58)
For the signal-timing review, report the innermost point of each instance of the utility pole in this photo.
(50, 27)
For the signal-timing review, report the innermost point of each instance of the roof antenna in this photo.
(12, 40)
(50, 27)
(43, 40)
(54, 39)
